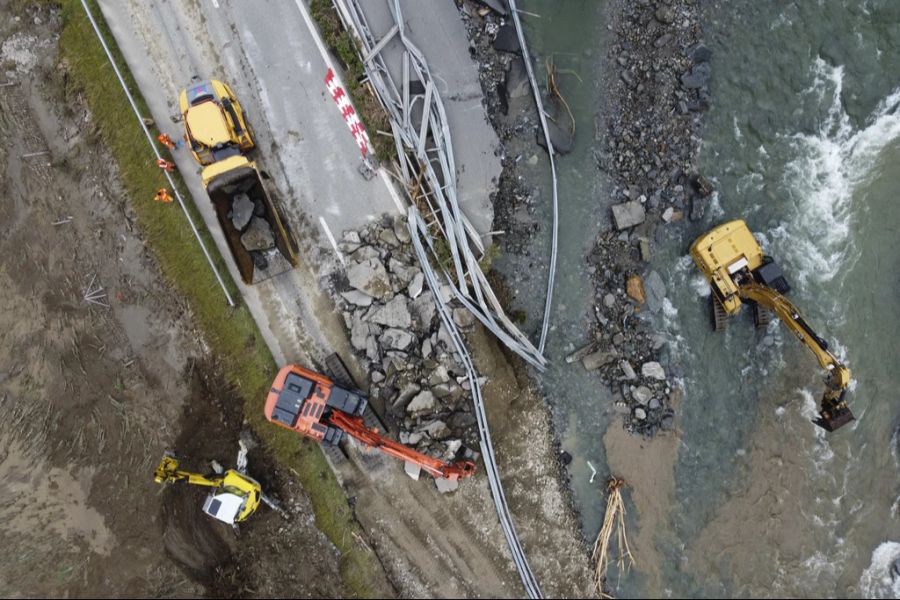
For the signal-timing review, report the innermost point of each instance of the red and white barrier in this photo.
(343, 102)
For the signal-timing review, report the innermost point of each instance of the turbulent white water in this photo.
(882, 578)
(829, 166)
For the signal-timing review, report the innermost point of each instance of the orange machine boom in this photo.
(313, 405)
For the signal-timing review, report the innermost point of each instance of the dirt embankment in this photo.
(101, 371)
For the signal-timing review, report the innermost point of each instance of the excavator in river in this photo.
(315, 406)
(738, 271)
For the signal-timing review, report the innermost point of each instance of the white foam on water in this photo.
(881, 579)
(831, 163)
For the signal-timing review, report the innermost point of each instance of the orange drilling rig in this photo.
(315, 406)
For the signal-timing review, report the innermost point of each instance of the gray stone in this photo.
(697, 78)
(562, 139)
(415, 286)
(667, 214)
(357, 298)
(423, 403)
(401, 230)
(364, 253)
(258, 236)
(627, 370)
(701, 54)
(448, 390)
(372, 352)
(609, 300)
(423, 311)
(507, 39)
(453, 447)
(665, 14)
(463, 318)
(461, 420)
(388, 237)
(655, 290)
(446, 486)
(407, 391)
(369, 276)
(517, 85)
(376, 376)
(436, 430)
(642, 394)
(393, 314)
(597, 360)
(426, 348)
(403, 272)
(396, 339)
(663, 40)
(654, 404)
(628, 214)
(618, 339)
(439, 375)
(359, 331)
(644, 246)
(352, 237)
(658, 340)
(640, 414)
(241, 211)
(444, 336)
(653, 370)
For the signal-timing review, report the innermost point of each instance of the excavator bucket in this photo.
(834, 419)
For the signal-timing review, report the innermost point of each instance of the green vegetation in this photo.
(231, 333)
(346, 47)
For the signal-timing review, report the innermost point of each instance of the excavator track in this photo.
(718, 316)
(762, 316)
(339, 373)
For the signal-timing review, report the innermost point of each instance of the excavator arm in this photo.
(353, 425)
(834, 412)
(168, 472)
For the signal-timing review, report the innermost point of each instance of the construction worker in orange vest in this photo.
(167, 165)
(162, 195)
(168, 142)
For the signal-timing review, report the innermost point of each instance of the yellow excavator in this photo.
(738, 271)
(234, 495)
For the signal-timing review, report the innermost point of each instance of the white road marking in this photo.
(331, 239)
(593, 471)
(318, 40)
(215, 3)
(401, 208)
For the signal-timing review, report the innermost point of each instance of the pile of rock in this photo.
(395, 330)
(249, 218)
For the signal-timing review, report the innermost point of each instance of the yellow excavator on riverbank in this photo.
(738, 271)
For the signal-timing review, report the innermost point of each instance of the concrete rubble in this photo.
(412, 368)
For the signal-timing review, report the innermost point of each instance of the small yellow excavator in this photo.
(234, 497)
(738, 271)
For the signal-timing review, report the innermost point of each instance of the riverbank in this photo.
(649, 73)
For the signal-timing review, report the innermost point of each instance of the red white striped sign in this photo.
(343, 102)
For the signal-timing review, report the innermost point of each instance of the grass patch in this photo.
(346, 48)
(231, 333)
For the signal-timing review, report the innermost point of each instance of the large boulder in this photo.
(258, 236)
(653, 370)
(396, 339)
(656, 291)
(422, 403)
(370, 276)
(628, 214)
(436, 430)
(241, 211)
(597, 360)
(393, 314)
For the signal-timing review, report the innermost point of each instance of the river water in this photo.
(802, 141)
